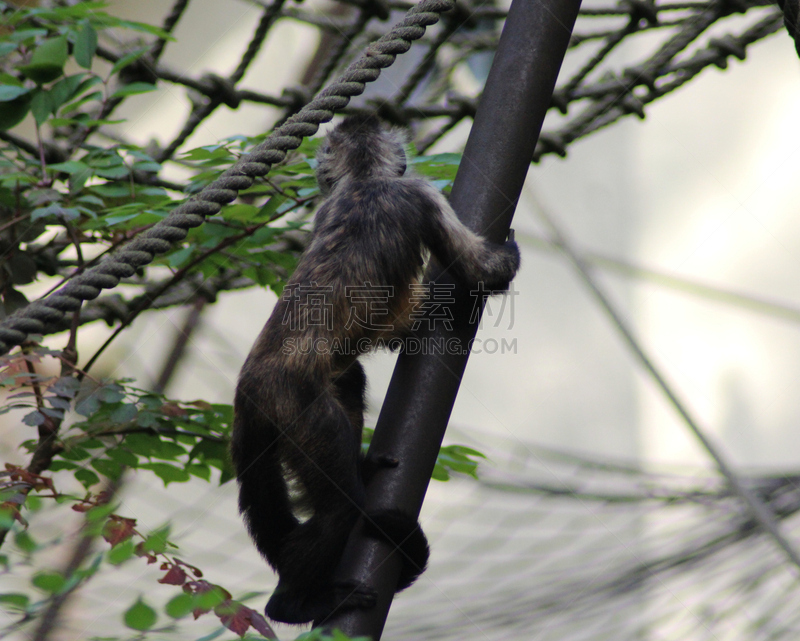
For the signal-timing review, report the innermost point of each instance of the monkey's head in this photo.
(359, 148)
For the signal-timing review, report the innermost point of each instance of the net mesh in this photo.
(552, 546)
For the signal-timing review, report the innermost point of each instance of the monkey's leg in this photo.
(395, 526)
(324, 460)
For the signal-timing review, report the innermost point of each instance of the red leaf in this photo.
(192, 569)
(34, 480)
(140, 551)
(172, 409)
(234, 616)
(82, 507)
(13, 508)
(260, 624)
(198, 587)
(175, 576)
(118, 529)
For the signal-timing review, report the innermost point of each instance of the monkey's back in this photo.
(354, 280)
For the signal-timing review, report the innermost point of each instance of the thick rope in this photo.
(34, 318)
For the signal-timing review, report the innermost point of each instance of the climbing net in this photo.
(622, 57)
(666, 555)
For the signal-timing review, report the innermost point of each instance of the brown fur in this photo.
(299, 413)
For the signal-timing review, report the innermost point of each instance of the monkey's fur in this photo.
(299, 413)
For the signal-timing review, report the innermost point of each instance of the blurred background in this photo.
(598, 514)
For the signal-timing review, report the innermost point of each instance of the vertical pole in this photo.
(423, 388)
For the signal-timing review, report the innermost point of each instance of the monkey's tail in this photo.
(263, 495)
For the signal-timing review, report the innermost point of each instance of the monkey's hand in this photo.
(503, 265)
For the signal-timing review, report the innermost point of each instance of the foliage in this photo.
(65, 201)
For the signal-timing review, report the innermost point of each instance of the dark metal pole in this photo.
(424, 386)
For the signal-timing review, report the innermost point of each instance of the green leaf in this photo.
(42, 106)
(25, 542)
(112, 173)
(69, 167)
(121, 552)
(34, 419)
(56, 210)
(458, 459)
(133, 88)
(123, 457)
(110, 221)
(87, 405)
(167, 450)
(209, 451)
(65, 89)
(269, 209)
(49, 581)
(178, 258)
(47, 61)
(23, 268)
(77, 181)
(57, 466)
(92, 443)
(144, 27)
(75, 454)
(85, 45)
(142, 444)
(6, 518)
(111, 393)
(199, 470)
(128, 59)
(211, 599)
(99, 513)
(452, 159)
(157, 541)
(15, 600)
(12, 301)
(140, 616)
(87, 478)
(25, 35)
(440, 473)
(147, 419)
(14, 111)
(167, 473)
(147, 165)
(12, 92)
(180, 606)
(108, 468)
(124, 413)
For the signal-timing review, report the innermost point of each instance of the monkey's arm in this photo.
(470, 257)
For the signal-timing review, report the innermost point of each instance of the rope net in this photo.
(561, 547)
(552, 547)
(545, 546)
(622, 57)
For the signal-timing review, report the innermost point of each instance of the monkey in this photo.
(299, 413)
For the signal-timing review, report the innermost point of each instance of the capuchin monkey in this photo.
(299, 413)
